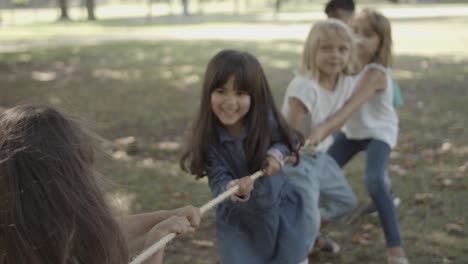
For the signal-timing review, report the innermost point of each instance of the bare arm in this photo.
(296, 113)
(372, 82)
(133, 226)
(173, 224)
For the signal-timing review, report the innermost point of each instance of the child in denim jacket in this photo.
(237, 132)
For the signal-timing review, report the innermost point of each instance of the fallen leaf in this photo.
(43, 76)
(368, 227)
(147, 163)
(169, 145)
(120, 155)
(203, 243)
(446, 147)
(125, 141)
(447, 182)
(129, 144)
(398, 170)
(423, 198)
(454, 229)
(428, 153)
(463, 167)
(361, 239)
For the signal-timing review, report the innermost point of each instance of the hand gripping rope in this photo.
(167, 238)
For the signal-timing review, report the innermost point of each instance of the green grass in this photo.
(150, 90)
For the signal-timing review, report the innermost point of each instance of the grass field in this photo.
(130, 78)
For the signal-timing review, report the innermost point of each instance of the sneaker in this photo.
(371, 209)
(325, 244)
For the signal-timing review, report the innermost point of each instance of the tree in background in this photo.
(63, 5)
(90, 7)
(185, 7)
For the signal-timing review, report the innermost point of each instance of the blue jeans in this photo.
(325, 191)
(377, 155)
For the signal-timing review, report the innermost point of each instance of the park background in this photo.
(133, 70)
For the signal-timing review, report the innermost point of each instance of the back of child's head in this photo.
(319, 32)
(333, 6)
(249, 77)
(52, 205)
(381, 25)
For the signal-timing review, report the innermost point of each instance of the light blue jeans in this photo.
(326, 193)
(376, 178)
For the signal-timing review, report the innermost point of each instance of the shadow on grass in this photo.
(150, 90)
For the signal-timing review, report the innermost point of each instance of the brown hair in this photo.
(52, 205)
(321, 30)
(249, 77)
(381, 25)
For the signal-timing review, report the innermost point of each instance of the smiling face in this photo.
(230, 105)
(333, 54)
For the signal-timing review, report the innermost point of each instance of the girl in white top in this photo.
(372, 124)
(314, 94)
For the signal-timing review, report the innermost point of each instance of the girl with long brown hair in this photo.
(237, 132)
(52, 206)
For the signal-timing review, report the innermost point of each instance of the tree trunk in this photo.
(185, 7)
(277, 6)
(149, 13)
(63, 10)
(90, 7)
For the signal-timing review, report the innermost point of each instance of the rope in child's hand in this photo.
(206, 207)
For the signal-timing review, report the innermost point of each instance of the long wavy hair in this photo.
(52, 205)
(249, 77)
(382, 27)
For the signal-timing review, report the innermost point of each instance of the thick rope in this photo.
(206, 207)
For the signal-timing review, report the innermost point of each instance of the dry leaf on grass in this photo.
(203, 243)
(129, 144)
(423, 198)
(120, 155)
(368, 227)
(43, 76)
(445, 147)
(361, 239)
(454, 229)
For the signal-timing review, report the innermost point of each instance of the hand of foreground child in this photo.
(192, 213)
(174, 224)
(245, 186)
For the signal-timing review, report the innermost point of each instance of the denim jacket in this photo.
(269, 227)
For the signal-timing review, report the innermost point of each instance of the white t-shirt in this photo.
(377, 117)
(319, 102)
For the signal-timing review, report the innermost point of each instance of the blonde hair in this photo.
(320, 30)
(381, 25)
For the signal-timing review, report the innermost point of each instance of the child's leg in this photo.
(336, 196)
(304, 179)
(343, 149)
(377, 157)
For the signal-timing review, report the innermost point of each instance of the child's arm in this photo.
(297, 112)
(278, 151)
(370, 83)
(220, 179)
(173, 224)
(133, 226)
